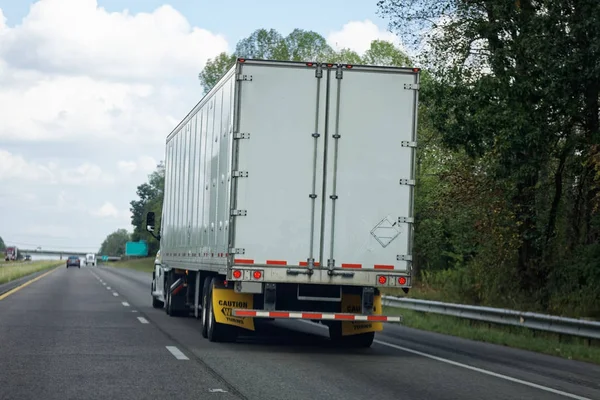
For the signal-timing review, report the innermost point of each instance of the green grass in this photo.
(521, 338)
(145, 264)
(15, 270)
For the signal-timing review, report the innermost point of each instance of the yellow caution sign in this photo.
(225, 300)
(351, 303)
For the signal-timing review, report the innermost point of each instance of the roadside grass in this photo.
(15, 270)
(145, 264)
(569, 347)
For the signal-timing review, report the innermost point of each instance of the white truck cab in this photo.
(90, 259)
(158, 283)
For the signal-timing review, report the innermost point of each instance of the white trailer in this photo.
(289, 194)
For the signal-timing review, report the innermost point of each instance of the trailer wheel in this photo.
(205, 300)
(218, 332)
(362, 340)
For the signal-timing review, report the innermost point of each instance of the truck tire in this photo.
(218, 332)
(205, 293)
(157, 303)
(362, 340)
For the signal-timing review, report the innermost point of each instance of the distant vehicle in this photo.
(73, 261)
(11, 253)
(27, 257)
(90, 259)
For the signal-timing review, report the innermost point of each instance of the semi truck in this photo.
(289, 194)
(11, 253)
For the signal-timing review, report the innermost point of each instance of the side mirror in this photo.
(150, 221)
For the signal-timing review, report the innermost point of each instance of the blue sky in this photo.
(237, 19)
(88, 94)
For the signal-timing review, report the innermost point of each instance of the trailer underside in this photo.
(352, 313)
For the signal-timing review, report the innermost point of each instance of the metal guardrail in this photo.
(542, 322)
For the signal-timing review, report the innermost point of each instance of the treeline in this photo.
(508, 177)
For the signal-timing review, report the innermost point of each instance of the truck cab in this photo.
(90, 259)
(158, 283)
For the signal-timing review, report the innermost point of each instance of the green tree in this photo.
(114, 244)
(515, 91)
(2, 245)
(150, 198)
(382, 52)
(299, 45)
(215, 69)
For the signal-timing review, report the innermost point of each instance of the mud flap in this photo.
(225, 300)
(351, 303)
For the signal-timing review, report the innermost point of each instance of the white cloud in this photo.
(106, 210)
(88, 74)
(15, 167)
(76, 36)
(358, 35)
(145, 164)
(87, 98)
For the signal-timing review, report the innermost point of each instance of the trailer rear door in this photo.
(370, 168)
(278, 160)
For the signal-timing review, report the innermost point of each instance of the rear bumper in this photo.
(317, 316)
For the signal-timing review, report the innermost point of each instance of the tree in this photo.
(299, 45)
(114, 244)
(215, 69)
(382, 52)
(150, 198)
(2, 245)
(515, 90)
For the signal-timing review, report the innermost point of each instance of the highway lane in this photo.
(293, 360)
(66, 336)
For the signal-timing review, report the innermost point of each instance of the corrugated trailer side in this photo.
(195, 221)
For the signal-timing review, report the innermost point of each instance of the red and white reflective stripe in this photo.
(305, 264)
(313, 315)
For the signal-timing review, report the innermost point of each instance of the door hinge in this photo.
(404, 257)
(240, 174)
(241, 135)
(410, 182)
(406, 220)
(319, 71)
(244, 77)
(234, 250)
(406, 143)
(339, 73)
(239, 213)
(411, 86)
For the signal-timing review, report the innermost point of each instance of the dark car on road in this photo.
(73, 261)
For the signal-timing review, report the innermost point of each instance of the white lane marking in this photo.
(125, 304)
(143, 320)
(115, 294)
(133, 310)
(104, 283)
(108, 288)
(217, 391)
(483, 371)
(177, 353)
(480, 370)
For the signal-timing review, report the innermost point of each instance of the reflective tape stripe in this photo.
(312, 315)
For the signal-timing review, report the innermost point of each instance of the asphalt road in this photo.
(91, 333)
